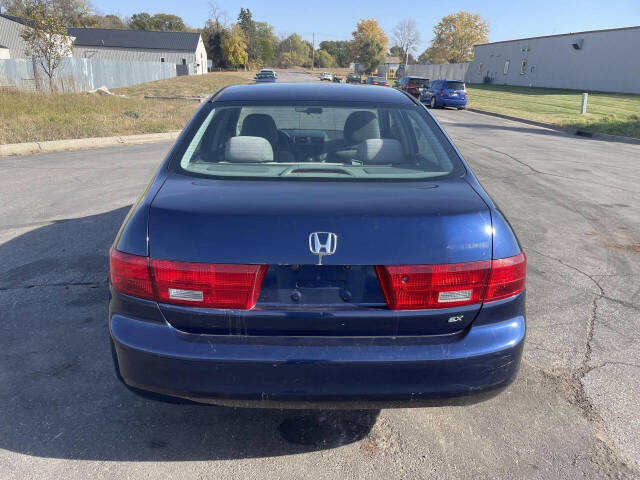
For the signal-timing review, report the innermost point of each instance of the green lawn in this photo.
(616, 114)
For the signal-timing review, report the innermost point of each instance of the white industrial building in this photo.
(598, 60)
(10, 30)
(184, 49)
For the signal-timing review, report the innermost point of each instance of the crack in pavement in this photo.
(604, 364)
(581, 399)
(540, 172)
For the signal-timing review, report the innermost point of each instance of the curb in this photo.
(571, 131)
(83, 143)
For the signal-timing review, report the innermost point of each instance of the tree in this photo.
(340, 50)
(248, 27)
(140, 21)
(167, 22)
(371, 54)
(72, 13)
(46, 38)
(213, 38)
(164, 22)
(234, 47)
(368, 29)
(267, 42)
(293, 50)
(396, 51)
(218, 16)
(214, 31)
(106, 21)
(423, 58)
(454, 38)
(324, 59)
(407, 37)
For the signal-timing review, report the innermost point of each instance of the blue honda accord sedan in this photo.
(307, 245)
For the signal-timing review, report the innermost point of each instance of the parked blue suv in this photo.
(445, 93)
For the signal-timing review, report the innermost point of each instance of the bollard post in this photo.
(583, 107)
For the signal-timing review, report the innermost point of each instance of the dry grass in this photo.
(192, 85)
(613, 113)
(28, 117)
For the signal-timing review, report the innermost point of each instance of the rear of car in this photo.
(381, 81)
(326, 76)
(413, 85)
(265, 76)
(316, 246)
(354, 78)
(446, 93)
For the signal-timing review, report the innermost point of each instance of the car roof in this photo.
(292, 92)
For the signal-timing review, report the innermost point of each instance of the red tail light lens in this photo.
(415, 287)
(129, 274)
(442, 93)
(208, 285)
(508, 277)
(185, 283)
(411, 85)
(410, 287)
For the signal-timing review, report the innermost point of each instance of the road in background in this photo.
(571, 413)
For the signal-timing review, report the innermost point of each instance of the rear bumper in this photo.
(452, 102)
(320, 372)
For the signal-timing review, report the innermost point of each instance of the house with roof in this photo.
(184, 49)
(389, 67)
(10, 30)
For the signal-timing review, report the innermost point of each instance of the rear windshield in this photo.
(419, 82)
(454, 86)
(355, 142)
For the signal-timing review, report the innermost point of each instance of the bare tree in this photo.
(46, 37)
(406, 35)
(219, 17)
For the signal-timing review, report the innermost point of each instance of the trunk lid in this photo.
(269, 222)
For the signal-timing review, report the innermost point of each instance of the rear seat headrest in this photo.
(361, 125)
(246, 149)
(380, 151)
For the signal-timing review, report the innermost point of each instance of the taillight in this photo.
(130, 274)
(206, 284)
(411, 85)
(442, 93)
(415, 287)
(466, 94)
(212, 285)
(508, 276)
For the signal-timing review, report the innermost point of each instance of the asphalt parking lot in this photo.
(572, 412)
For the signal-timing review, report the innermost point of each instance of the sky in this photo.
(336, 19)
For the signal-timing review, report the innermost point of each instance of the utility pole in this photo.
(313, 51)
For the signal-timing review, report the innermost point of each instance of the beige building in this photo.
(597, 60)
